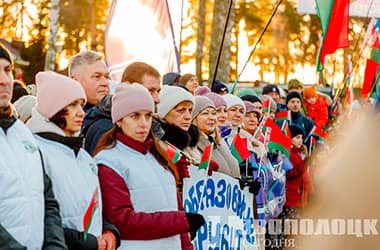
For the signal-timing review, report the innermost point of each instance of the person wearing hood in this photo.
(138, 180)
(56, 122)
(29, 213)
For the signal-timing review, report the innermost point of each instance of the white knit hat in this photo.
(24, 107)
(233, 100)
(171, 96)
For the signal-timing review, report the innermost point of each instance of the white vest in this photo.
(151, 186)
(74, 179)
(22, 186)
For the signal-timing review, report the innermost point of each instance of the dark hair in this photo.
(108, 140)
(59, 118)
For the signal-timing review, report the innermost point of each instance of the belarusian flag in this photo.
(282, 116)
(372, 66)
(266, 106)
(89, 215)
(373, 63)
(319, 134)
(285, 129)
(334, 15)
(206, 156)
(239, 148)
(277, 140)
(172, 152)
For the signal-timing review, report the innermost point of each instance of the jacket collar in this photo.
(75, 143)
(142, 147)
(7, 119)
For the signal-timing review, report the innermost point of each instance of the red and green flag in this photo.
(285, 129)
(239, 148)
(173, 153)
(89, 215)
(206, 156)
(277, 140)
(373, 63)
(319, 134)
(334, 18)
(266, 106)
(282, 116)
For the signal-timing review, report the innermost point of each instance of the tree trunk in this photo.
(53, 28)
(218, 21)
(200, 38)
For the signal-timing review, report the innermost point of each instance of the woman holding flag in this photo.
(204, 117)
(56, 121)
(138, 179)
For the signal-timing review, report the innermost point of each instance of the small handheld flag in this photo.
(173, 153)
(239, 148)
(206, 156)
(89, 215)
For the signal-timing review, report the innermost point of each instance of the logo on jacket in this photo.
(94, 168)
(30, 147)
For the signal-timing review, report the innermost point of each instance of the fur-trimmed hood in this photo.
(178, 137)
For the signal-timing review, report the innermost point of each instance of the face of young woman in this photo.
(206, 121)
(250, 122)
(180, 115)
(297, 141)
(136, 125)
(221, 115)
(74, 117)
(235, 115)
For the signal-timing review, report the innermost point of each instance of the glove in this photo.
(214, 166)
(254, 186)
(183, 167)
(195, 222)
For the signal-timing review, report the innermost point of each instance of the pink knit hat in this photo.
(55, 92)
(214, 97)
(130, 98)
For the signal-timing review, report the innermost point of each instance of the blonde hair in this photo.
(83, 57)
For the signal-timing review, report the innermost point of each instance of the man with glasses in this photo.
(90, 70)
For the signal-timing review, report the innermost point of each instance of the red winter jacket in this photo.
(318, 111)
(118, 209)
(294, 179)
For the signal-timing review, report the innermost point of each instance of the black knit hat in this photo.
(270, 88)
(292, 95)
(219, 87)
(5, 54)
(250, 98)
(296, 130)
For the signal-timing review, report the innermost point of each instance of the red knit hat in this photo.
(310, 92)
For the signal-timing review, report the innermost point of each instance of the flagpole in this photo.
(205, 178)
(256, 44)
(177, 55)
(221, 44)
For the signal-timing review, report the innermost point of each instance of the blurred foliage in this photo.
(291, 40)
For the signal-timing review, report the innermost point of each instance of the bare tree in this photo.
(53, 28)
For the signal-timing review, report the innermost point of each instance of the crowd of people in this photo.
(82, 168)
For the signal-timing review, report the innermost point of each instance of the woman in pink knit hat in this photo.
(56, 121)
(138, 180)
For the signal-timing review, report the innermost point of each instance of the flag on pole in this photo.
(282, 116)
(334, 18)
(89, 215)
(141, 30)
(373, 63)
(277, 140)
(266, 106)
(239, 148)
(206, 156)
(173, 153)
